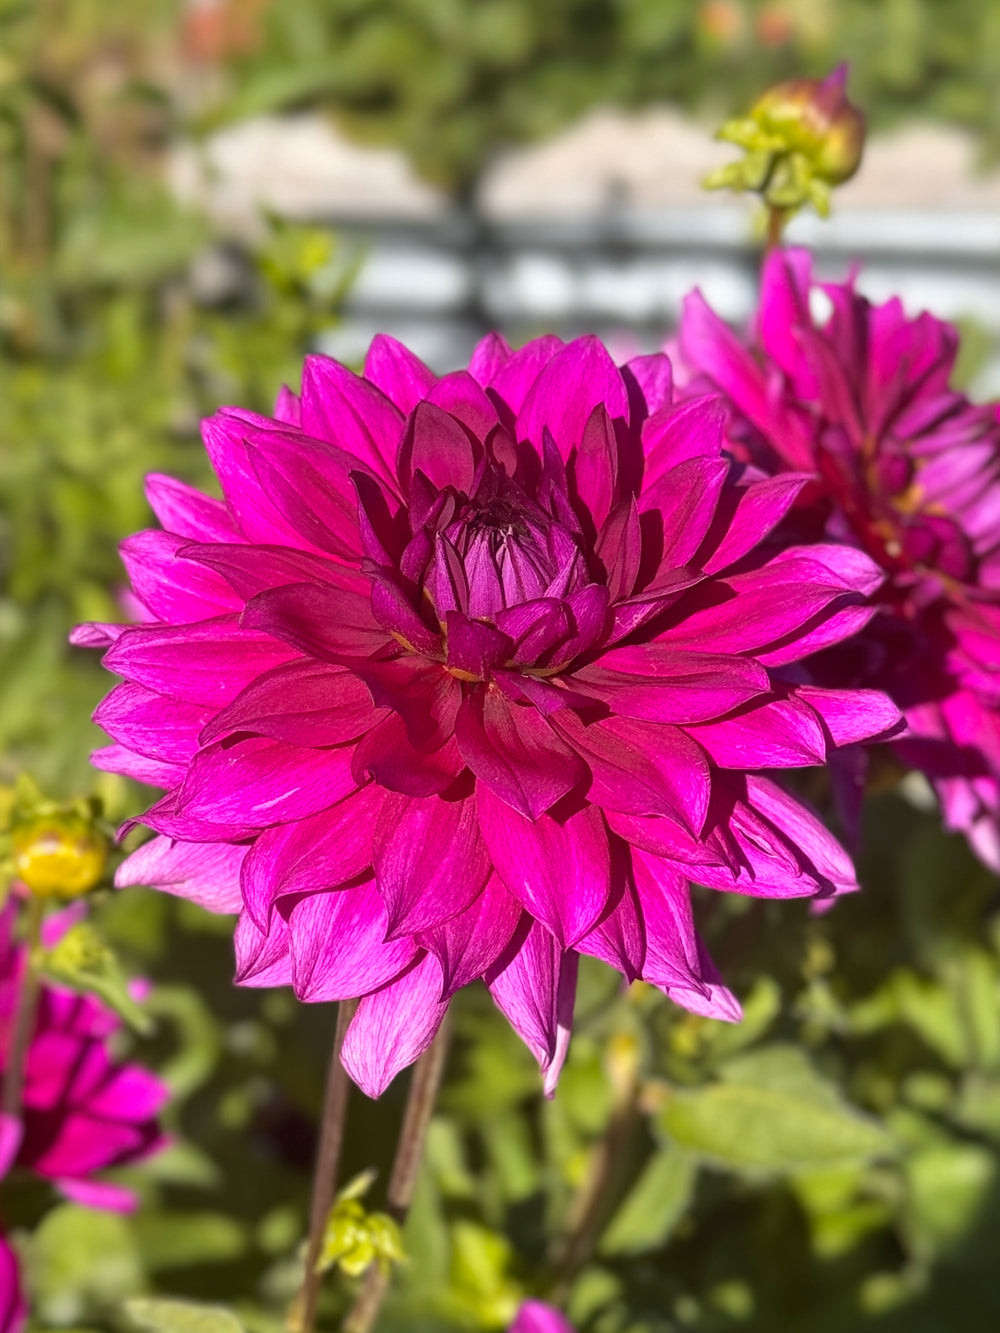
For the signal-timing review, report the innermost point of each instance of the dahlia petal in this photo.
(760, 507)
(322, 621)
(536, 990)
(172, 589)
(207, 663)
(642, 768)
(430, 860)
(619, 548)
(255, 782)
(352, 412)
(784, 310)
(559, 871)
(588, 610)
(255, 517)
(489, 356)
(423, 693)
(619, 939)
(321, 852)
(152, 724)
(467, 945)
(436, 445)
(676, 960)
(515, 752)
(81, 1144)
(568, 388)
(594, 466)
(514, 379)
(392, 607)
(665, 684)
(305, 703)
(763, 608)
(681, 432)
(288, 407)
(388, 756)
(394, 1026)
(362, 959)
(252, 569)
(11, 1134)
(534, 627)
(841, 625)
(852, 569)
(95, 634)
(139, 767)
(309, 483)
(463, 398)
(852, 715)
(204, 874)
(685, 498)
(473, 646)
(167, 817)
(781, 733)
(100, 1194)
(653, 376)
(188, 513)
(393, 368)
(126, 1092)
(534, 1317)
(805, 831)
(262, 958)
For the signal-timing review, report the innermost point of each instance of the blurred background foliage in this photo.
(834, 1162)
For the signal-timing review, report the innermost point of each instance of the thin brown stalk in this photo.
(405, 1169)
(338, 1086)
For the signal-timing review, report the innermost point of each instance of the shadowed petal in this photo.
(536, 990)
(559, 871)
(206, 874)
(467, 945)
(360, 961)
(394, 1026)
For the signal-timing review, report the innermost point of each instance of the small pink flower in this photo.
(466, 676)
(908, 471)
(83, 1111)
(534, 1317)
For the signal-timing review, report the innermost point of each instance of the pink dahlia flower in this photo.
(83, 1111)
(909, 472)
(13, 1307)
(534, 1317)
(464, 677)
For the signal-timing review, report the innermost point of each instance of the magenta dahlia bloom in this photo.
(465, 676)
(534, 1317)
(13, 1307)
(908, 470)
(83, 1111)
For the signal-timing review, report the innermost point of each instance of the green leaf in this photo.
(948, 1187)
(772, 1112)
(655, 1204)
(166, 1316)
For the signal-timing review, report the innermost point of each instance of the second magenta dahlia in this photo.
(466, 676)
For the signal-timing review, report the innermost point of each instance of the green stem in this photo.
(338, 1086)
(591, 1209)
(24, 1014)
(405, 1169)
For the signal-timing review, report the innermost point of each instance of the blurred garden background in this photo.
(195, 192)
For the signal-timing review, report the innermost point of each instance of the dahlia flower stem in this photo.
(592, 1206)
(338, 1086)
(24, 1014)
(405, 1170)
(776, 219)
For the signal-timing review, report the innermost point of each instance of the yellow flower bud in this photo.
(61, 854)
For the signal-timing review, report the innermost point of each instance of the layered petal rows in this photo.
(466, 676)
(905, 469)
